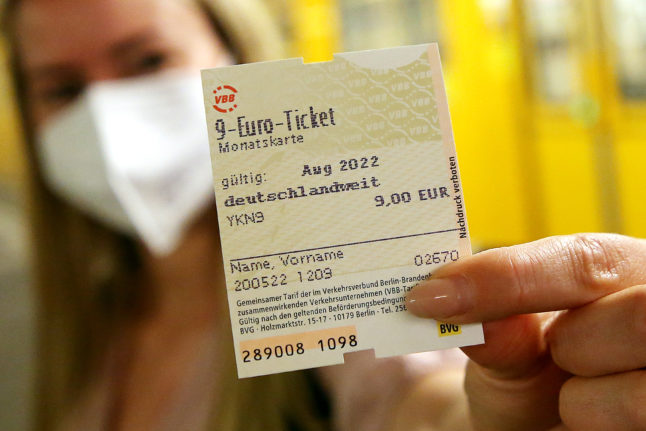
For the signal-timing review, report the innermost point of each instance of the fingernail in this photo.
(441, 298)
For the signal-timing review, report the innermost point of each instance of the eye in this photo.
(150, 62)
(62, 93)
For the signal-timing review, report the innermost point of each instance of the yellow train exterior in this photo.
(548, 100)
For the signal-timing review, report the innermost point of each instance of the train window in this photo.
(628, 29)
(369, 24)
(554, 34)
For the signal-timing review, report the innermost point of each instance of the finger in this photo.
(604, 337)
(520, 404)
(514, 347)
(560, 427)
(550, 274)
(511, 381)
(606, 403)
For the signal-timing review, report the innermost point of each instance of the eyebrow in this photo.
(49, 70)
(117, 50)
(132, 43)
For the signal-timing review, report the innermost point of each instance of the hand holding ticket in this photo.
(337, 189)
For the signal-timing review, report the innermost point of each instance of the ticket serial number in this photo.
(299, 348)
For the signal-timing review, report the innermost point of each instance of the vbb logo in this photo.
(225, 98)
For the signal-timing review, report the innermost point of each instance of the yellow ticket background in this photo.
(337, 189)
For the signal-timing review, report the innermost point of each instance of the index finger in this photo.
(550, 274)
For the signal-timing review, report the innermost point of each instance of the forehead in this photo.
(49, 31)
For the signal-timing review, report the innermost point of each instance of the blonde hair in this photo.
(84, 274)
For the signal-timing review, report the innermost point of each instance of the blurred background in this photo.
(548, 101)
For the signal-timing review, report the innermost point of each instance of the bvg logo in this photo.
(225, 98)
(448, 329)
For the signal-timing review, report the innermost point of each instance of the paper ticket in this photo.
(337, 190)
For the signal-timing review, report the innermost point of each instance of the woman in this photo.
(117, 335)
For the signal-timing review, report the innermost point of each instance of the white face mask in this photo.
(135, 155)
